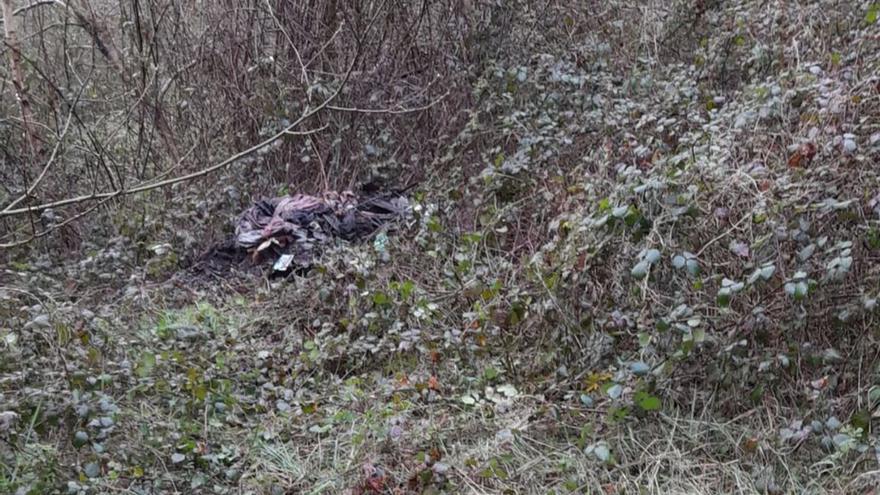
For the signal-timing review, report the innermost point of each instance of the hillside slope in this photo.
(646, 261)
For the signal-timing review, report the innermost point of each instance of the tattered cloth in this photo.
(302, 217)
(289, 228)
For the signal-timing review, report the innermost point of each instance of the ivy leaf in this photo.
(640, 271)
(723, 297)
(146, 364)
(693, 266)
(873, 13)
(406, 289)
(646, 401)
(490, 373)
(639, 368)
(764, 272)
(381, 299)
(732, 285)
(614, 391)
(805, 253)
(508, 390)
(602, 452)
(874, 397)
(678, 261)
(80, 438)
(652, 256)
(197, 481)
(798, 290)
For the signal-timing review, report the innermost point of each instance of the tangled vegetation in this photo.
(643, 254)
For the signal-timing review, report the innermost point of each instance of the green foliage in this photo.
(873, 13)
(602, 243)
(647, 402)
(798, 287)
(727, 290)
(146, 363)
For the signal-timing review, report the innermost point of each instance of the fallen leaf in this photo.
(433, 383)
(375, 478)
(594, 380)
(403, 381)
(581, 262)
(750, 444)
(739, 248)
(803, 156)
(508, 390)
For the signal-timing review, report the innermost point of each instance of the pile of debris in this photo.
(290, 230)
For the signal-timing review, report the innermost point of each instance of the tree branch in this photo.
(57, 226)
(201, 173)
(393, 111)
(22, 10)
(49, 163)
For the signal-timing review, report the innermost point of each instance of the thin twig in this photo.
(201, 173)
(302, 66)
(723, 235)
(62, 224)
(22, 10)
(46, 167)
(389, 110)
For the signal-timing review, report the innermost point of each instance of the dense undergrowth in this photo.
(648, 261)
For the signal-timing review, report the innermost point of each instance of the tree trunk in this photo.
(10, 28)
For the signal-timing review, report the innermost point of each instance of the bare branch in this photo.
(394, 111)
(201, 173)
(48, 165)
(53, 228)
(22, 10)
(302, 66)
